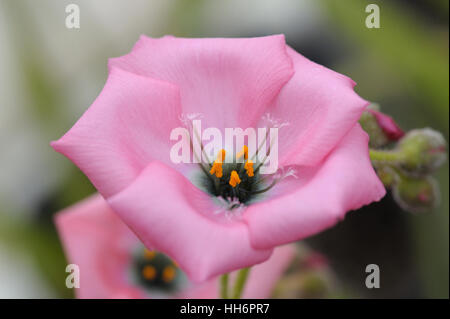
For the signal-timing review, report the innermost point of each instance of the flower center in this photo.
(156, 272)
(236, 182)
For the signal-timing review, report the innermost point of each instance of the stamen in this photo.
(279, 176)
(274, 182)
(244, 153)
(169, 273)
(149, 254)
(158, 275)
(249, 168)
(265, 157)
(217, 165)
(149, 272)
(273, 122)
(221, 155)
(230, 189)
(234, 179)
(263, 142)
(216, 169)
(187, 118)
(284, 173)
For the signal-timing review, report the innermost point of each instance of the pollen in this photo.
(249, 168)
(244, 152)
(149, 254)
(216, 169)
(169, 273)
(234, 179)
(149, 272)
(221, 156)
(217, 165)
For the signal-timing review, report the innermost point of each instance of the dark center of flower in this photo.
(156, 272)
(239, 182)
(234, 183)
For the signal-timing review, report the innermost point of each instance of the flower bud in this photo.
(387, 175)
(416, 194)
(381, 128)
(390, 128)
(422, 151)
(413, 194)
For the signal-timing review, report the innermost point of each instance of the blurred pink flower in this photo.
(122, 144)
(315, 260)
(114, 264)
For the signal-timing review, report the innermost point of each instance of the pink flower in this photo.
(114, 264)
(122, 143)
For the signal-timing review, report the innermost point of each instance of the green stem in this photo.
(240, 282)
(224, 286)
(384, 156)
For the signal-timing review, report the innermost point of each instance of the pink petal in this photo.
(97, 241)
(261, 280)
(321, 107)
(171, 215)
(127, 126)
(345, 181)
(229, 81)
(263, 277)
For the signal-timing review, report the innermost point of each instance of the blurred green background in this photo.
(50, 74)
